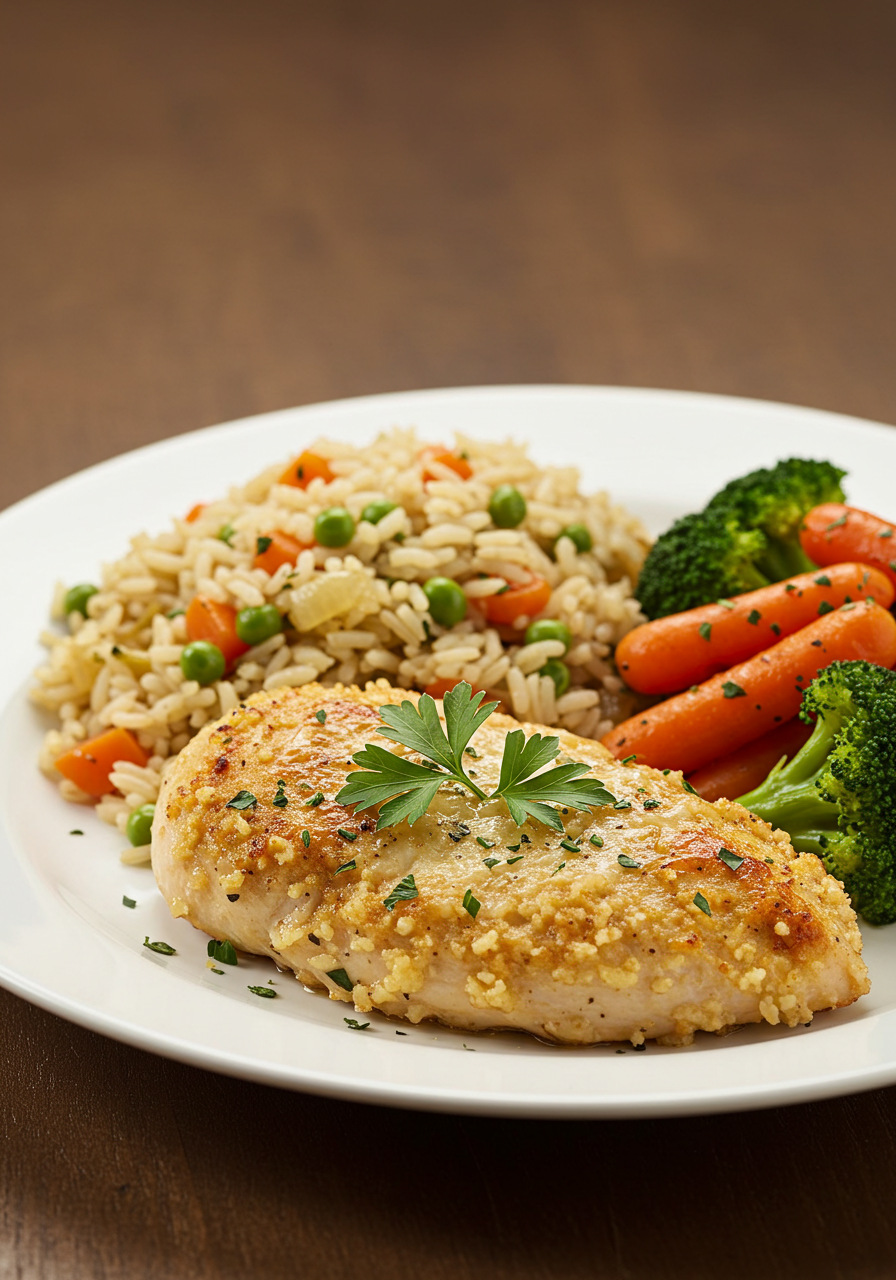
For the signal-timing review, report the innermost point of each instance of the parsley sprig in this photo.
(405, 790)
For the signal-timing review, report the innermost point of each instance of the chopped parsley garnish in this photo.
(773, 626)
(261, 545)
(726, 604)
(570, 846)
(492, 862)
(652, 804)
(227, 533)
(486, 844)
(265, 992)
(76, 831)
(162, 948)
(823, 580)
(221, 951)
(629, 759)
(306, 838)
(732, 860)
(242, 800)
(471, 904)
(315, 800)
(280, 801)
(351, 865)
(625, 861)
(355, 1025)
(835, 524)
(404, 891)
(341, 978)
(700, 901)
(824, 608)
(732, 690)
(596, 841)
(405, 790)
(175, 613)
(219, 972)
(321, 716)
(471, 751)
(512, 847)
(558, 869)
(622, 804)
(687, 786)
(346, 834)
(885, 533)
(518, 858)
(753, 617)
(704, 630)
(128, 902)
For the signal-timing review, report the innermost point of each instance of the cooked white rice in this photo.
(362, 609)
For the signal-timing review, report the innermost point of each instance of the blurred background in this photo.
(214, 209)
(209, 210)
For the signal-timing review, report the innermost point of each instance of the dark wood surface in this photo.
(214, 209)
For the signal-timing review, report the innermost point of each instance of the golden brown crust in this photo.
(571, 946)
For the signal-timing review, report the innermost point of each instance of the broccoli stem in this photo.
(784, 559)
(789, 797)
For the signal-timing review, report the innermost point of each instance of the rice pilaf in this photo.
(354, 614)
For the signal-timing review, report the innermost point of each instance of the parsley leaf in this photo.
(471, 904)
(405, 789)
(265, 992)
(404, 891)
(162, 948)
(355, 1024)
(625, 861)
(223, 952)
(732, 860)
(341, 978)
(346, 866)
(700, 901)
(128, 902)
(242, 800)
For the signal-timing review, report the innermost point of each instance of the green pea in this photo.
(138, 828)
(374, 511)
(507, 507)
(559, 673)
(76, 598)
(334, 527)
(447, 602)
(579, 536)
(202, 661)
(258, 623)
(549, 629)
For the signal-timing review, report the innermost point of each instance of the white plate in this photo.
(68, 944)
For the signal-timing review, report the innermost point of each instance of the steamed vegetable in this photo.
(736, 706)
(745, 768)
(437, 453)
(305, 468)
(526, 600)
(682, 649)
(746, 537)
(836, 532)
(835, 797)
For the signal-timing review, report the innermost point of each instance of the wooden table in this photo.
(209, 210)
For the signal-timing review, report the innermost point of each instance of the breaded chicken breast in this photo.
(573, 946)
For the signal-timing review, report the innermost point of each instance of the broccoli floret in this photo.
(775, 499)
(836, 796)
(702, 557)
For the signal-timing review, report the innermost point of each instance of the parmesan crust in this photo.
(572, 947)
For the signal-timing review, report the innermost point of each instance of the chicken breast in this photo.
(572, 946)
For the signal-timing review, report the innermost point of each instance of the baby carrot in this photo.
(736, 706)
(89, 764)
(835, 532)
(736, 774)
(209, 619)
(682, 649)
